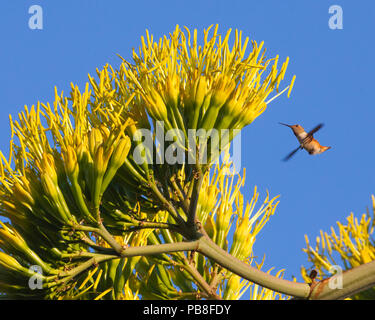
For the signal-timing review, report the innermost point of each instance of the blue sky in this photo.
(333, 85)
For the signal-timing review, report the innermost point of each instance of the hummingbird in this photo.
(306, 140)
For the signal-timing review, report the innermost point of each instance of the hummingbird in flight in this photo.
(306, 140)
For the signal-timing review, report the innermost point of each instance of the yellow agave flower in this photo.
(349, 245)
(71, 163)
(210, 86)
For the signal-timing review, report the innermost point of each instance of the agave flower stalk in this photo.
(107, 226)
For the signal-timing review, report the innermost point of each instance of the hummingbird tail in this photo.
(325, 148)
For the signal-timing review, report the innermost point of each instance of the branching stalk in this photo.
(202, 283)
(195, 196)
(208, 248)
(353, 281)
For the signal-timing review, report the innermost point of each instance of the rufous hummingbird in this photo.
(306, 140)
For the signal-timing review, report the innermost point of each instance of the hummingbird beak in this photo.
(287, 125)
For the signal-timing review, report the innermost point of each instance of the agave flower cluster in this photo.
(75, 198)
(348, 247)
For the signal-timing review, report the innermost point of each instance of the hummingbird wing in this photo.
(309, 135)
(318, 127)
(291, 154)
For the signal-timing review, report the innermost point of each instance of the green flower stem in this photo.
(65, 276)
(129, 252)
(201, 282)
(168, 206)
(215, 277)
(134, 172)
(153, 239)
(149, 224)
(197, 111)
(190, 189)
(208, 248)
(136, 224)
(178, 126)
(160, 249)
(97, 195)
(36, 260)
(94, 246)
(181, 126)
(195, 196)
(103, 232)
(177, 189)
(210, 117)
(85, 265)
(78, 195)
(193, 170)
(82, 254)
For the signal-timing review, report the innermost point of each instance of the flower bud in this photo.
(210, 227)
(48, 166)
(251, 112)
(104, 131)
(22, 195)
(49, 186)
(201, 92)
(70, 162)
(120, 153)
(132, 130)
(9, 262)
(222, 91)
(233, 288)
(172, 89)
(242, 230)
(95, 140)
(366, 255)
(117, 160)
(99, 161)
(157, 106)
(208, 199)
(234, 106)
(12, 237)
(82, 148)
